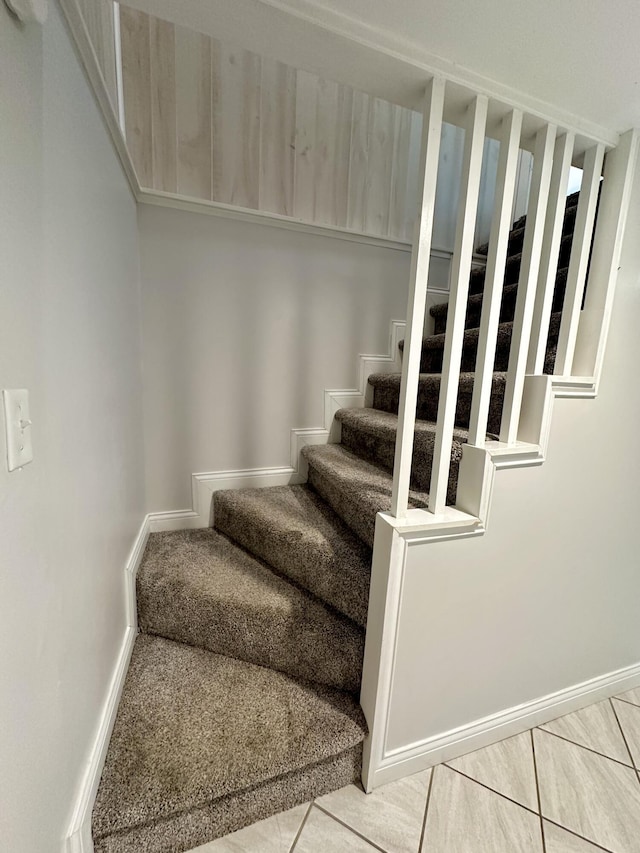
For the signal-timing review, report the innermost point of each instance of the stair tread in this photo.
(436, 342)
(297, 533)
(356, 489)
(467, 378)
(193, 727)
(198, 587)
(384, 425)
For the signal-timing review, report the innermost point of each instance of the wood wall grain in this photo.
(212, 121)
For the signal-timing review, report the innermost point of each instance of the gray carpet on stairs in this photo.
(197, 587)
(239, 701)
(356, 489)
(371, 434)
(197, 734)
(386, 396)
(292, 529)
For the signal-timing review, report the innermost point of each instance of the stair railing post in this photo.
(508, 164)
(459, 291)
(550, 252)
(580, 251)
(615, 196)
(527, 282)
(423, 230)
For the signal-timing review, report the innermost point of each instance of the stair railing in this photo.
(582, 332)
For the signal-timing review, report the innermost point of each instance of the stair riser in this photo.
(186, 831)
(387, 400)
(507, 308)
(326, 572)
(431, 361)
(381, 452)
(512, 270)
(262, 638)
(516, 237)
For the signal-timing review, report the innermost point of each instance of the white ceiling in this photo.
(574, 61)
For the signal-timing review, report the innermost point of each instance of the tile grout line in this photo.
(300, 828)
(350, 828)
(577, 835)
(426, 810)
(626, 701)
(588, 748)
(624, 737)
(535, 774)
(531, 811)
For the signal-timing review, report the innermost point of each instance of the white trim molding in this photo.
(397, 763)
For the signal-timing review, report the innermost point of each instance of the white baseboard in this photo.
(444, 747)
(78, 838)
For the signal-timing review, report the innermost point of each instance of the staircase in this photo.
(241, 696)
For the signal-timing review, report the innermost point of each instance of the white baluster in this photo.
(430, 151)
(550, 252)
(460, 272)
(508, 163)
(580, 250)
(529, 268)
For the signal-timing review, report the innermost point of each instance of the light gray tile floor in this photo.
(570, 786)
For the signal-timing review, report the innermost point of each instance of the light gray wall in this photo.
(549, 597)
(244, 326)
(69, 332)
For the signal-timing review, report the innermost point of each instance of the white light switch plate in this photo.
(18, 427)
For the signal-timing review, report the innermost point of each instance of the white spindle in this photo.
(550, 252)
(119, 79)
(593, 330)
(508, 164)
(460, 272)
(529, 267)
(430, 151)
(580, 250)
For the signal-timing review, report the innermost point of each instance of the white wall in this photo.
(549, 597)
(69, 318)
(244, 326)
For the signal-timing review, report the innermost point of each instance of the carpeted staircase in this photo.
(241, 696)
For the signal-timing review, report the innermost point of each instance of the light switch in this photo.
(18, 427)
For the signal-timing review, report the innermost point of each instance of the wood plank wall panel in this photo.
(163, 105)
(277, 137)
(136, 81)
(98, 19)
(193, 113)
(212, 121)
(236, 138)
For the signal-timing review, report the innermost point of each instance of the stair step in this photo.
(205, 744)
(357, 490)
(294, 530)
(371, 435)
(386, 396)
(516, 235)
(433, 348)
(512, 269)
(440, 311)
(198, 587)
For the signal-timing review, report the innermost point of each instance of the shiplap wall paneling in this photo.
(277, 137)
(305, 140)
(98, 19)
(236, 126)
(193, 113)
(399, 212)
(136, 81)
(358, 162)
(163, 105)
(381, 144)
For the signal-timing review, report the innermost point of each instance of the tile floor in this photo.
(569, 786)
